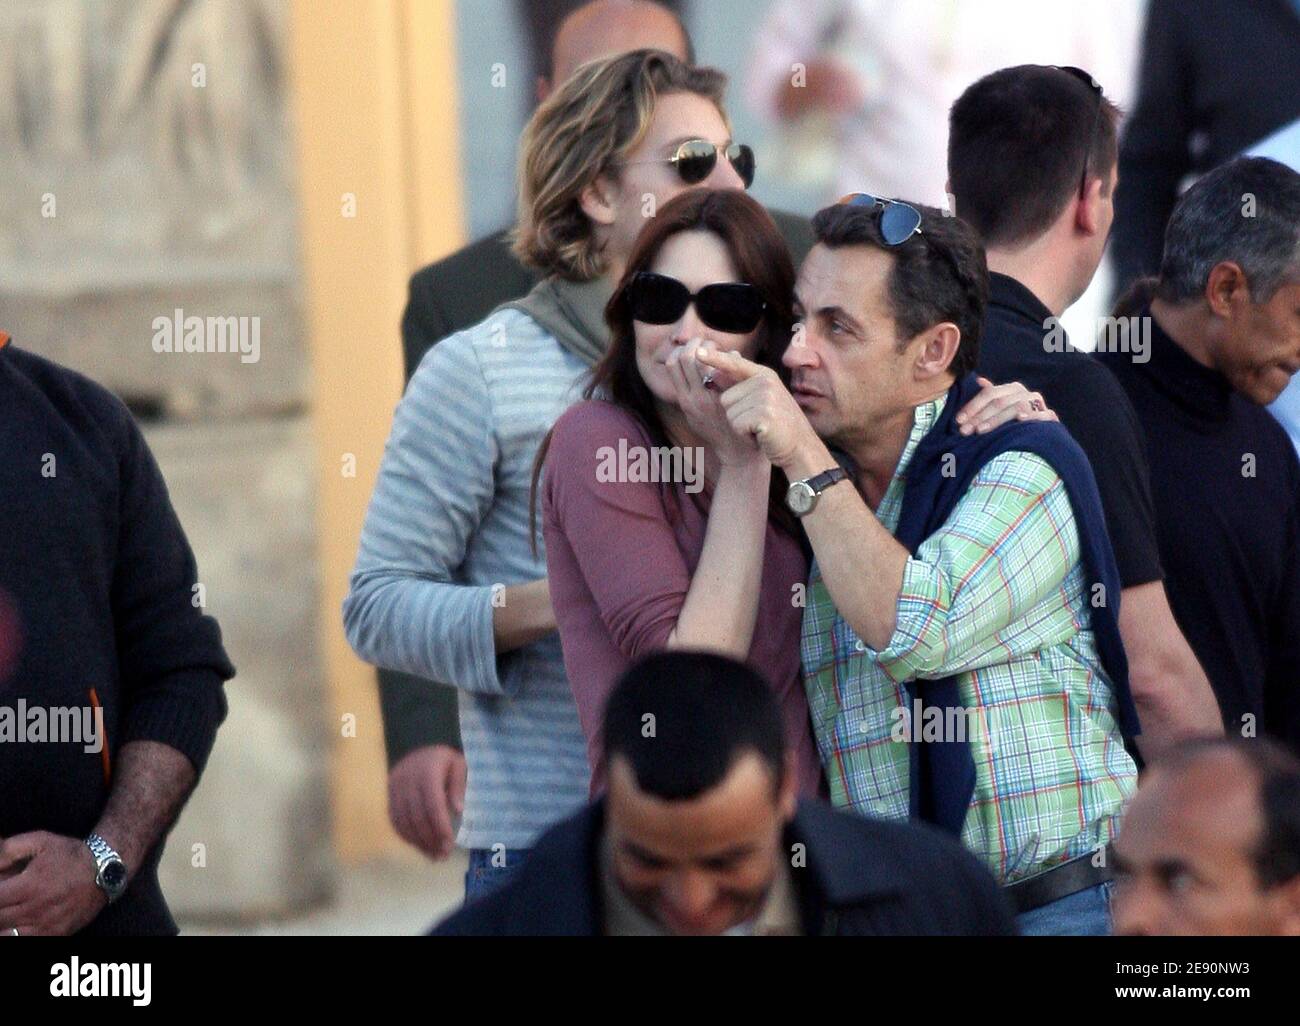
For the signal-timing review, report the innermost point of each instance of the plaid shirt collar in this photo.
(924, 417)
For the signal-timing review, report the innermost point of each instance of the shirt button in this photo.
(861, 646)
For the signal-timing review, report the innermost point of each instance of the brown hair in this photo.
(760, 258)
(580, 133)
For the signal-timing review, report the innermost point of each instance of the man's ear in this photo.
(597, 200)
(1087, 211)
(1226, 290)
(938, 348)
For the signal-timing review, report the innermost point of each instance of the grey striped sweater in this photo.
(449, 520)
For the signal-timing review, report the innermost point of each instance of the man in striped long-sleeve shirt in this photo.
(447, 585)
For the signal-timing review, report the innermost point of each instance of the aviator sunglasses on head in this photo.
(898, 222)
(735, 308)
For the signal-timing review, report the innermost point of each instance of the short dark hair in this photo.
(708, 711)
(1018, 140)
(938, 275)
(1277, 773)
(1209, 225)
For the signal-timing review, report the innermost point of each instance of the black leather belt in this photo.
(1059, 882)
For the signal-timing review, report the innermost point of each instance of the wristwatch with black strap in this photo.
(801, 496)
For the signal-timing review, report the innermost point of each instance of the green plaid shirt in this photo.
(997, 596)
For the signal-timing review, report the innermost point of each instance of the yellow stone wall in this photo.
(373, 91)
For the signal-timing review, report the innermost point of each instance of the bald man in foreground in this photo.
(426, 779)
(1210, 844)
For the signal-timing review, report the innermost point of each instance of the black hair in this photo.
(938, 275)
(1018, 142)
(683, 719)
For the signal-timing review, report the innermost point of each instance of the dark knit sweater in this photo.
(97, 605)
(1226, 483)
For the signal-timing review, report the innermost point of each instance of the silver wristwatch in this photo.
(801, 497)
(110, 876)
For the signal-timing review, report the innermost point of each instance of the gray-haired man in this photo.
(1224, 320)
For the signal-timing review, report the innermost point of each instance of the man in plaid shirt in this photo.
(1001, 600)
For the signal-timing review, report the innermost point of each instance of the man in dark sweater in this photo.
(1031, 164)
(1224, 320)
(701, 833)
(426, 781)
(111, 676)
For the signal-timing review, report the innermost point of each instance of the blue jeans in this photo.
(1085, 914)
(483, 877)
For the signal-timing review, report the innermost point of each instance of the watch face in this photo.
(114, 875)
(800, 498)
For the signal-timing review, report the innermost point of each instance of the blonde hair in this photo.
(592, 121)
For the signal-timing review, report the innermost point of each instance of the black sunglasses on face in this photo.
(735, 308)
(695, 160)
(1093, 85)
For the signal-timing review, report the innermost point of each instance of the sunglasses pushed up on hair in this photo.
(1095, 88)
(735, 308)
(898, 222)
(695, 160)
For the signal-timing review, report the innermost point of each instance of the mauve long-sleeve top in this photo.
(620, 555)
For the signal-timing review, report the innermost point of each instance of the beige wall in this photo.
(373, 91)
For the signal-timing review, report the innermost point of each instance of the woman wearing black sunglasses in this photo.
(664, 529)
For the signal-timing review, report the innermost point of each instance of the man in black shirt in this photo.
(1031, 165)
(1224, 318)
(110, 673)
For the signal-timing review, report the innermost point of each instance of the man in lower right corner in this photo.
(1210, 844)
(700, 833)
(1223, 320)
